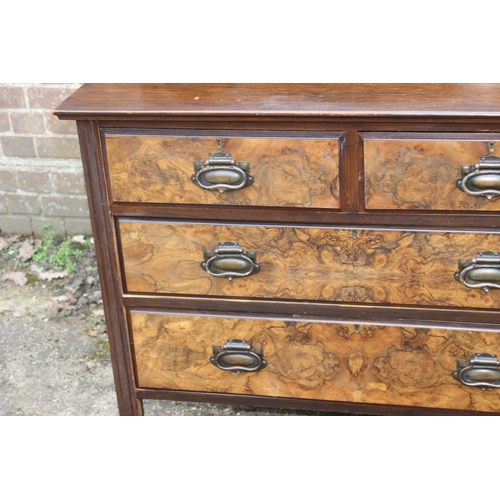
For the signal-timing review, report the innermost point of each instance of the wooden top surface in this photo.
(323, 100)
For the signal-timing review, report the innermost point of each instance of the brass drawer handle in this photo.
(483, 271)
(229, 261)
(483, 178)
(482, 370)
(238, 356)
(221, 172)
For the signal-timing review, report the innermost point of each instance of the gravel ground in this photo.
(54, 353)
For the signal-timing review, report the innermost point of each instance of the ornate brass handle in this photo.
(229, 261)
(482, 370)
(238, 356)
(483, 271)
(221, 172)
(483, 178)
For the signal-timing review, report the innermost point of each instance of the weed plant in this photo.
(63, 255)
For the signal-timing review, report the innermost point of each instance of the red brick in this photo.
(56, 126)
(4, 122)
(8, 180)
(56, 225)
(27, 123)
(18, 146)
(78, 226)
(3, 204)
(15, 225)
(65, 206)
(47, 97)
(33, 180)
(12, 98)
(68, 182)
(23, 203)
(58, 147)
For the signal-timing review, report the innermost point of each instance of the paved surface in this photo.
(53, 365)
(49, 366)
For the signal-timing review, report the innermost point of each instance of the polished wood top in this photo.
(322, 100)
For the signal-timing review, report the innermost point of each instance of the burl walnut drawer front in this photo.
(253, 171)
(348, 363)
(427, 174)
(308, 263)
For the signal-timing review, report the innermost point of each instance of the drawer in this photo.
(313, 360)
(422, 173)
(310, 263)
(267, 171)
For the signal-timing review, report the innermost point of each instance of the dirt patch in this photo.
(54, 354)
(67, 269)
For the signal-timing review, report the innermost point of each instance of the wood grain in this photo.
(371, 364)
(129, 101)
(288, 172)
(395, 219)
(421, 174)
(366, 266)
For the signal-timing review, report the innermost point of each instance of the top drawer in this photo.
(220, 170)
(428, 172)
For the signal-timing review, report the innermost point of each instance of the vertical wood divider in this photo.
(351, 168)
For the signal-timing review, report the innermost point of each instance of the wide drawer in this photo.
(322, 361)
(422, 173)
(267, 171)
(310, 263)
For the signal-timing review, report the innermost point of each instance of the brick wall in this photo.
(41, 177)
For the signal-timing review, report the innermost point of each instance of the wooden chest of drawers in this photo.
(331, 247)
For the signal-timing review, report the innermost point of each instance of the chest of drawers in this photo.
(327, 247)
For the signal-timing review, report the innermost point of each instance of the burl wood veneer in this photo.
(366, 278)
(382, 365)
(383, 266)
(420, 174)
(153, 169)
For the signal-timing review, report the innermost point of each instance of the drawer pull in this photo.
(229, 261)
(483, 271)
(222, 173)
(238, 356)
(482, 370)
(483, 178)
